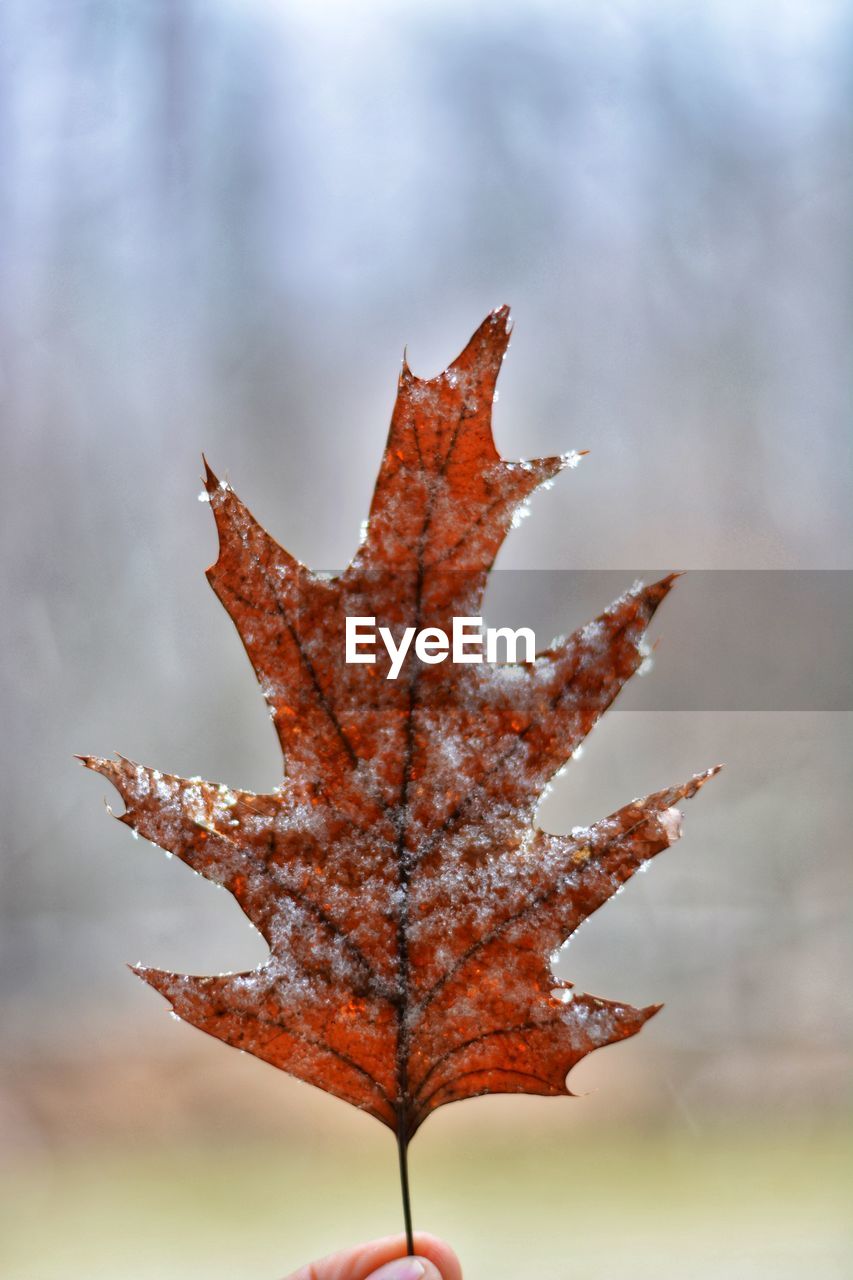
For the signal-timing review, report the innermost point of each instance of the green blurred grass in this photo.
(736, 1205)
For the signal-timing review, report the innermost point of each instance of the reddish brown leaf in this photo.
(409, 903)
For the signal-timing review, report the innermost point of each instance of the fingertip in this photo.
(377, 1259)
(409, 1268)
(440, 1254)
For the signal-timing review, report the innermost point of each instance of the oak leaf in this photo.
(409, 903)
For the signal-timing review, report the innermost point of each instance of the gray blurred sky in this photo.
(219, 224)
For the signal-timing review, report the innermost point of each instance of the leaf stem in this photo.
(403, 1152)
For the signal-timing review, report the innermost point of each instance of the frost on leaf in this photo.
(410, 905)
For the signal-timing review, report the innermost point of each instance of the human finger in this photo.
(361, 1262)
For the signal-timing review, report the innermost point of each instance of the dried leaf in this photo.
(410, 905)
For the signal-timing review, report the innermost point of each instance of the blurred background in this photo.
(219, 224)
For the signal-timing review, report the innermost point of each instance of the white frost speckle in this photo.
(521, 513)
(670, 820)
